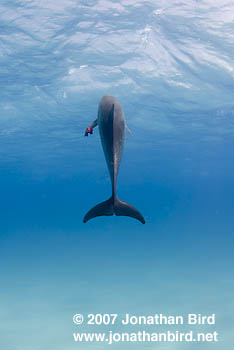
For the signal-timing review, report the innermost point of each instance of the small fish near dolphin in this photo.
(112, 126)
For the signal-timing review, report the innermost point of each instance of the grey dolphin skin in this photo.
(111, 125)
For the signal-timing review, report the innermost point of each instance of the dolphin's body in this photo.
(111, 125)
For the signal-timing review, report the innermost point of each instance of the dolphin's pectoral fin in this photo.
(124, 209)
(102, 209)
(89, 129)
(128, 130)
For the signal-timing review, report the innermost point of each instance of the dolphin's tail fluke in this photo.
(124, 209)
(102, 209)
(114, 206)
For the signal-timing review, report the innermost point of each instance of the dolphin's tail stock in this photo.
(114, 206)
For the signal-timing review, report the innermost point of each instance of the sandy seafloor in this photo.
(171, 66)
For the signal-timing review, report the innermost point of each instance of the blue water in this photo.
(170, 64)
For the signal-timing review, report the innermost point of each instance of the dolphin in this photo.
(112, 126)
